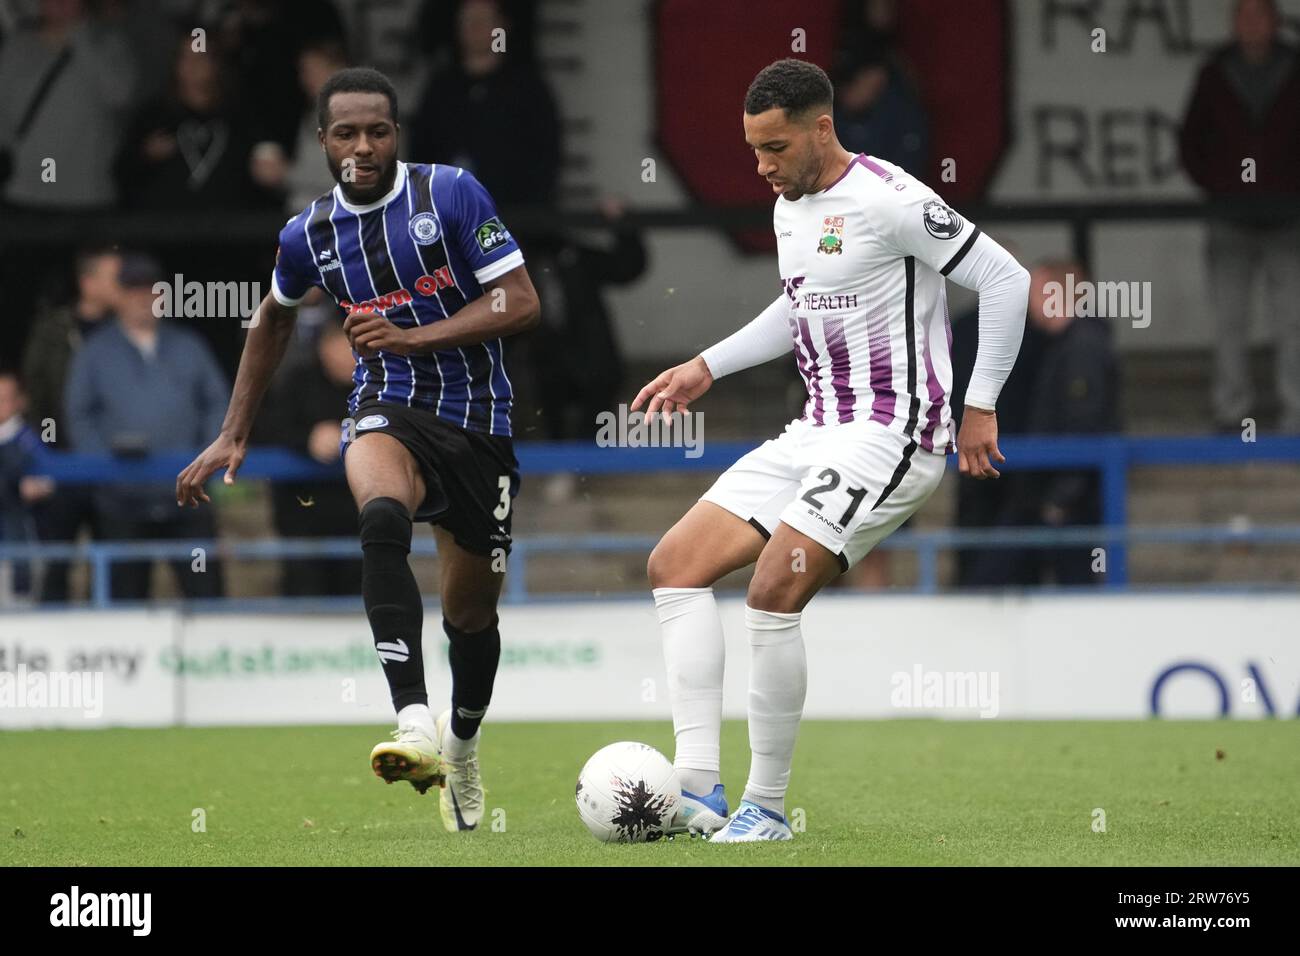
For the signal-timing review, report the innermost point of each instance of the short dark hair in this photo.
(1063, 265)
(355, 79)
(87, 258)
(795, 86)
(140, 270)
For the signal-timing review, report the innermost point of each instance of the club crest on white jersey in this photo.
(862, 263)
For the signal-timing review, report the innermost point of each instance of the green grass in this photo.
(894, 792)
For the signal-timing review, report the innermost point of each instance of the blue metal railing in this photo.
(1112, 456)
(927, 545)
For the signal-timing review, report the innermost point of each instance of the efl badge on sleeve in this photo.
(940, 221)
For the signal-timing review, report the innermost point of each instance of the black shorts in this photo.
(470, 478)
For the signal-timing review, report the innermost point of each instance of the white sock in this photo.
(694, 653)
(416, 715)
(778, 682)
(458, 749)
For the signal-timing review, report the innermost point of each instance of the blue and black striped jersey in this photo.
(416, 256)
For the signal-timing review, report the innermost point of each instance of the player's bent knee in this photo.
(470, 618)
(776, 594)
(385, 522)
(379, 466)
(670, 567)
(656, 567)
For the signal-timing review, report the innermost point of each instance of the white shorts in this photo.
(845, 486)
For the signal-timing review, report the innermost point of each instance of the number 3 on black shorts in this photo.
(503, 507)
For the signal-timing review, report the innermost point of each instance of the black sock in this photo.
(474, 660)
(392, 598)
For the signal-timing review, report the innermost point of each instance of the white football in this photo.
(628, 793)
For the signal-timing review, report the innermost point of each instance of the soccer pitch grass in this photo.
(904, 792)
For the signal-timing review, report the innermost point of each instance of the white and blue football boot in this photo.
(461, 799)
(697, 814)
(752, 823)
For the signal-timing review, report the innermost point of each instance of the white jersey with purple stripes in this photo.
(416, 255)
(862, 263)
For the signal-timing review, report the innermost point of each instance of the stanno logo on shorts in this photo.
(372, 421)
(825, 520)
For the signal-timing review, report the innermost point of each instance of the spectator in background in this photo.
(1246, 104)
(264, 37)
(58, 332)
(57, 335)
(190, 150)
(298, 172)
(492, 113)
(436, 29)
(981, 504)
(1075, 391)
(150, 28)
(67, 84)
(878, 108)
(142, 386)
(19, 491)
(303, 411)
(572, 361)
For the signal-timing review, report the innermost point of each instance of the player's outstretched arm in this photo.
(764, 338)
(508, 306)
(761, 340)
(268, 336)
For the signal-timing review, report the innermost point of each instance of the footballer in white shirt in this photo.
(864, 249)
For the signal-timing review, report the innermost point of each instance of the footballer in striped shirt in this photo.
(431, 281)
